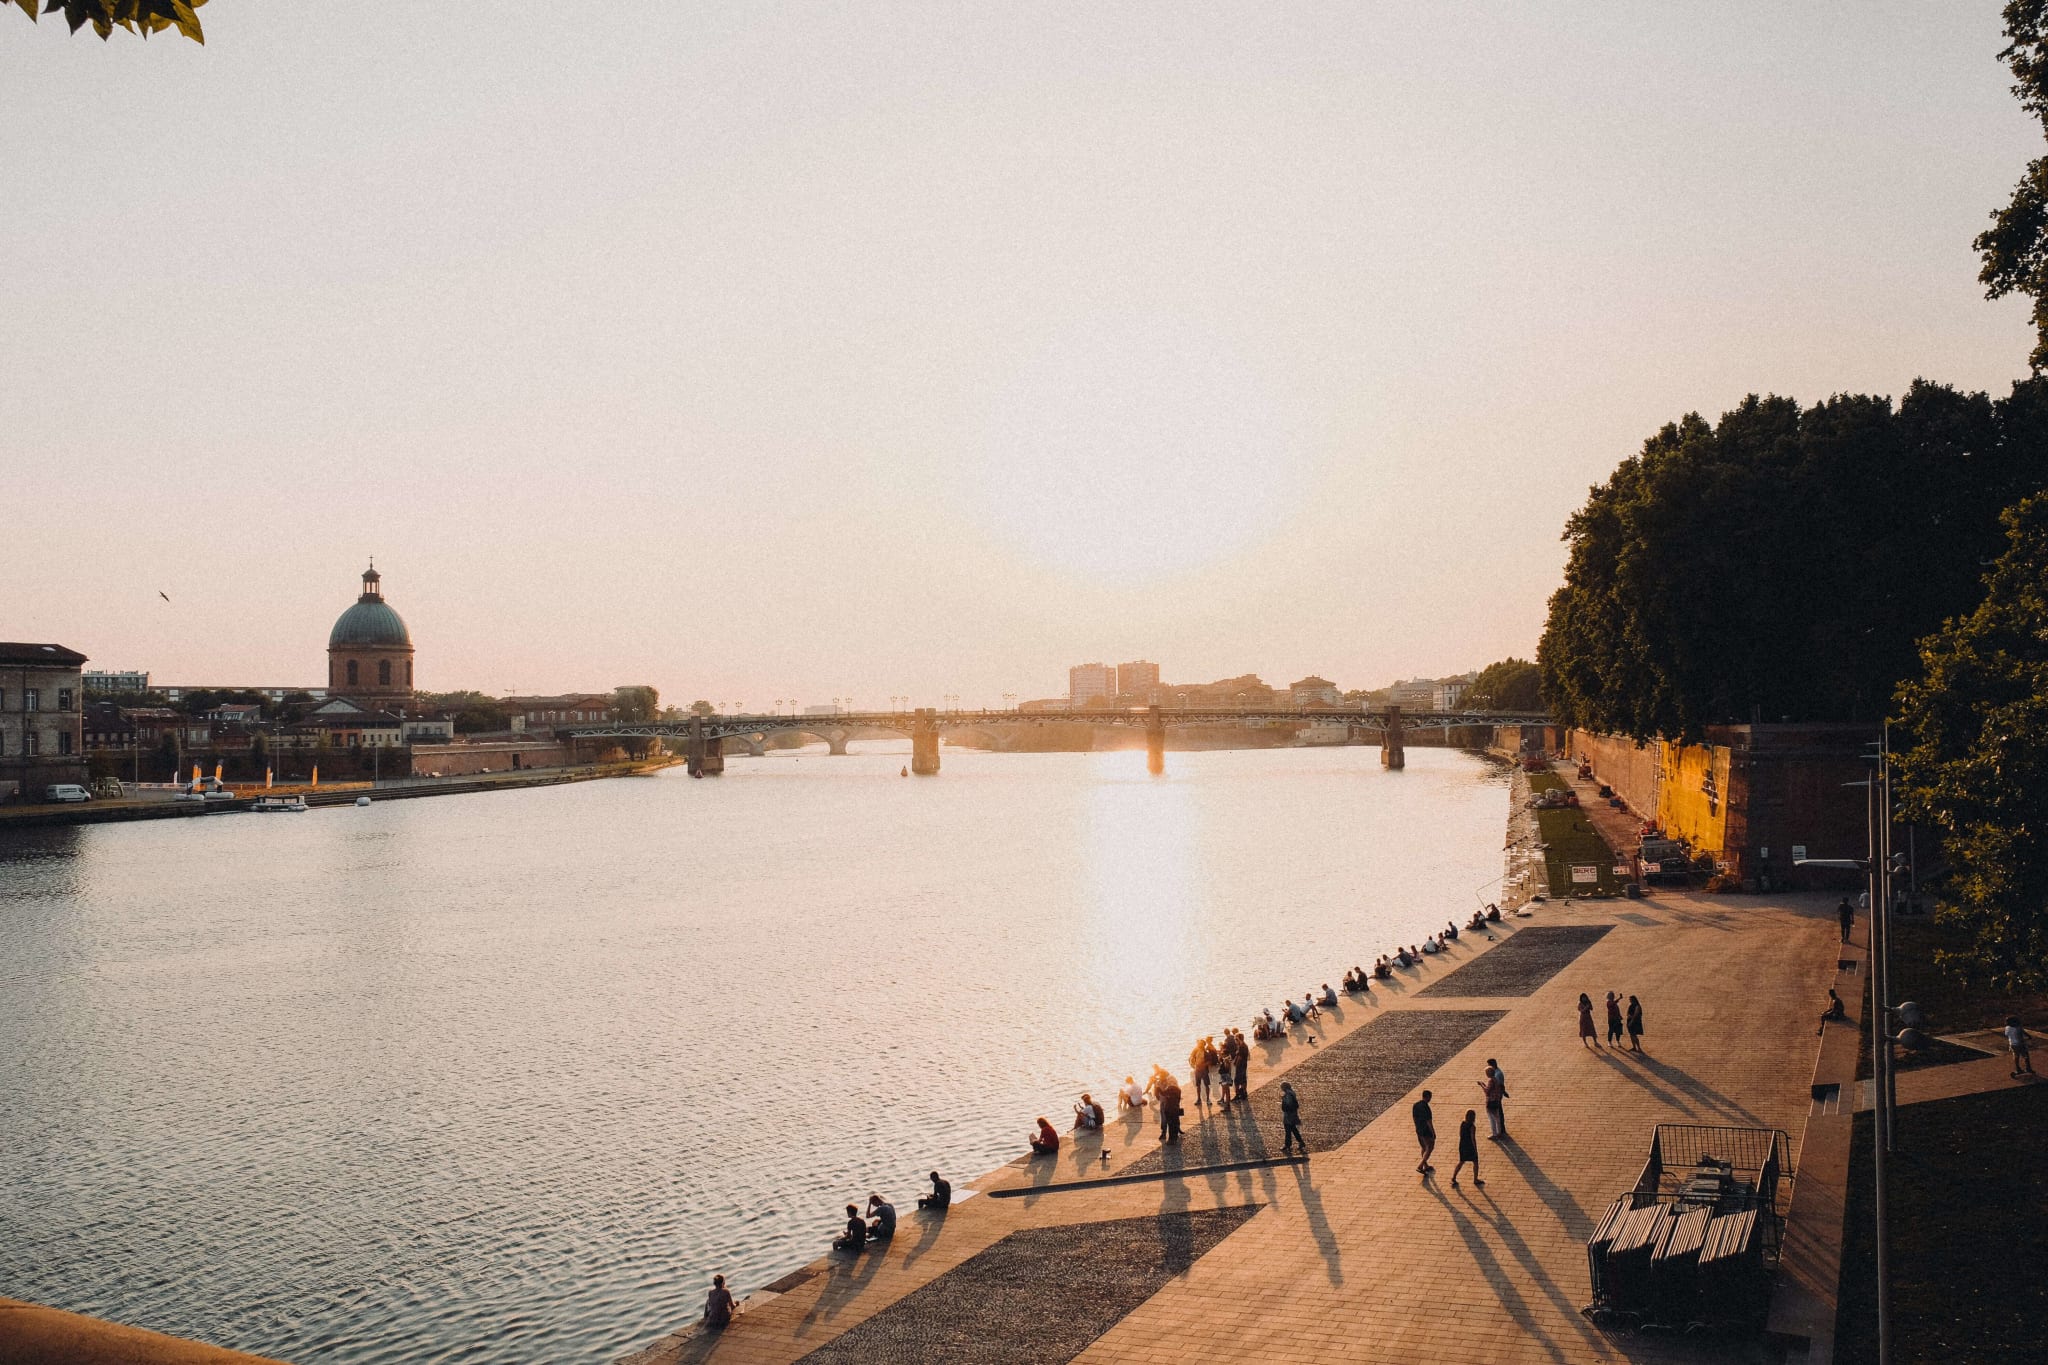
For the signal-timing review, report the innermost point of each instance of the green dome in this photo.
(370, 623)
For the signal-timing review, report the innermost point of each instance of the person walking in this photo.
(1495, 1088)
(1635, 1024)
(1587, 1034)
(1425, 1131)
(1846, 914)
(1290, 1120)
(1468, 1150)
(2016, 1039)
(1613, 1020)
(718, 1305)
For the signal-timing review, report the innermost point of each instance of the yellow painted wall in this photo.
(1692, 798)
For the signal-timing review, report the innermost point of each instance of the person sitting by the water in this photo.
(855, 1238)
(1833, 1011)
(1401, 959)
(1087, 1114)
(1047, 1140)
(1451, 930)
(1492, 914)
(1132, 1096)
(1478, 920)
(941, 1196)
(1273, 1028)
(1296, 1014)
(884, 1215)
(1329, 996)
(1350, 981)
(718, 1304)
(1382, 968)
(1430, 945)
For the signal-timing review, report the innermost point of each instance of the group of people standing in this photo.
(1618, 1022)
(1494, 1088)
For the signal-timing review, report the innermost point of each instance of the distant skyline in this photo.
(899, 349)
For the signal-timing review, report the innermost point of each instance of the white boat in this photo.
(279, 803)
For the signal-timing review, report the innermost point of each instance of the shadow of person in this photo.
(1497, 1277)
(1670, 1098)
(1319, 1225)
(1555, 1197)
(1699, 1090)
(849, 1274)
(930, 1223)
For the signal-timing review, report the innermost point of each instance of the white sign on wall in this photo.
(1582, 874)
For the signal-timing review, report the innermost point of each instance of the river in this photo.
(505, 1077)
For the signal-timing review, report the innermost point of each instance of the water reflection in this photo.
(504, 1078)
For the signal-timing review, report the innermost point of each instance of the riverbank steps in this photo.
(1352, 1255)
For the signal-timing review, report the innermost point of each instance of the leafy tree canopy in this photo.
(137, 16)
(1510, 685)
(636, 703)
(703, 708)
(2015, 246)
(1783, 562)
(1978, 764)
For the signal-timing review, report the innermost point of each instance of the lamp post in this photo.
(1877, 869)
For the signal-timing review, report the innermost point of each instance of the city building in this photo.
(342, 723)
(429, 730)
(1417, 694)
(107, 728)
(1139, 679)
(571, 708)
(1086, 682)
(41, 718)
(1044, 704)
(1449, 693)
(156, 726)
(236, 713)
(1314, 691)
(100, 682)
(271, 692)
(369, 652)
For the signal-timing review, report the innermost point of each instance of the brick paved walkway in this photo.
(1350, 1255)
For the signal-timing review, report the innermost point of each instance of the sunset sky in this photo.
(804, 350)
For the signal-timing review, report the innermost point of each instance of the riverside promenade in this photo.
(1352, 1255)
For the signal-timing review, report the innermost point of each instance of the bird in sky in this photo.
(161, 593)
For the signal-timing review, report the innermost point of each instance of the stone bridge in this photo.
(704, 736)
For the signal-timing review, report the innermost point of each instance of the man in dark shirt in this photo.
(941, 1196)
(856, 1235)
(1846, 913)
(1425, 1131)
(1290, 1120)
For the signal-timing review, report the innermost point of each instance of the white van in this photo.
(66, 791)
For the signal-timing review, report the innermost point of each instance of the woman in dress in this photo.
(1587, 1033)
(1468, 1150)
(1635, 1024)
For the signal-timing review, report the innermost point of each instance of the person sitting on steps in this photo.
(855, 1238)
(1046, 1142)
(1834, 1010)
(941, 1196)
(1087, 1114)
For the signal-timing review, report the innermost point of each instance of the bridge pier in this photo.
(836, 742)
(924, 742)
(757, 747)
(1155, 743)
(1391, 753)
(704, 756)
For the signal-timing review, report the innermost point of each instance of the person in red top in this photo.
(1047, 1143)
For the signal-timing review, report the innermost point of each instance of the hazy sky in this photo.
(817, 350)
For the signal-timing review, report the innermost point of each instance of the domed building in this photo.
(369, 652)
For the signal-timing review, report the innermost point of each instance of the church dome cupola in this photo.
(369, 651)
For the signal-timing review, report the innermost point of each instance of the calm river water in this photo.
(506, 1077)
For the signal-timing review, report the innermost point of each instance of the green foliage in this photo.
(137, 16)
(703, 708)
(473, 712)
(2015, 246)
(1978, 765)
(1782, 563)
(1510, 685)
(636, 704)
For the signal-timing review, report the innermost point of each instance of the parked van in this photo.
(66, 791)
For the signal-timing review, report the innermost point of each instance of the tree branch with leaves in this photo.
(137, 16)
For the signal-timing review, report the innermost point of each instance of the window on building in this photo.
(351, 672)
(30, 743)
(383, 672)
(408, 672)
(63, 741)
(31, 699)
(63, 699)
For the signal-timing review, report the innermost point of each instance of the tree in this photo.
(137, 16)
(1783, 562)
(2015, 246)
(703, 708)
(1510, 685)
(636, 703)
(1978, 765)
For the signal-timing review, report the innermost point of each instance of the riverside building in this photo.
(41, 718)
